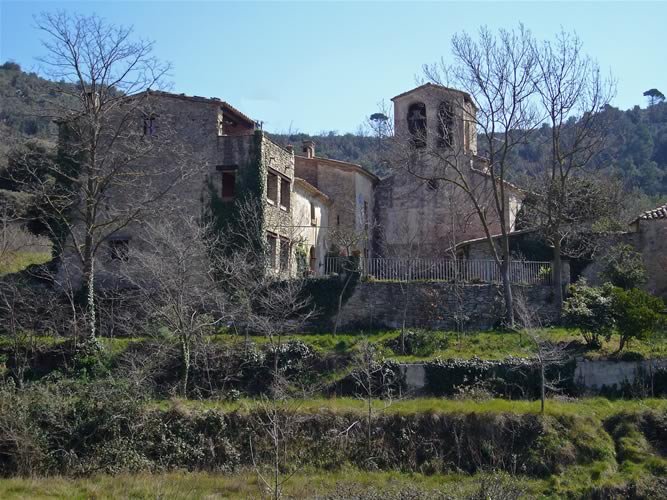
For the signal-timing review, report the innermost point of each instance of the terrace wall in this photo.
(437, 305)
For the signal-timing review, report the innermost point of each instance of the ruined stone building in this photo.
(311, 205)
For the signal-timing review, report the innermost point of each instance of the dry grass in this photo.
(182, 485)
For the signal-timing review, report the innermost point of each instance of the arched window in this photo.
(446, 125)
(417, 124)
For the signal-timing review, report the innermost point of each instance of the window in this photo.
(228, 185)
(220, 124)
(446, 124)
(432, 184)
(150, 127)
(313, 218)
(338, 220)
(284, 194)
(272, 246)
(366, 217)
(119, 249)
(417, 124)
(272, 187)
(466, 137)
(284, 254)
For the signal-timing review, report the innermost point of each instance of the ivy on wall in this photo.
(225, 215)
(323, 294)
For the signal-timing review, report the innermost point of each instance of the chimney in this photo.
(309, 149)
(290, 148)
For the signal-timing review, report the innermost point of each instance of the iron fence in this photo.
(416, 269)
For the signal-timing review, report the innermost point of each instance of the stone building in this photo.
(309, 205)
(224, 162)
(312, 210)
(420, 212)
(351, 190)
(650, 230)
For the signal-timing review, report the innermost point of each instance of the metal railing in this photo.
(465, 271)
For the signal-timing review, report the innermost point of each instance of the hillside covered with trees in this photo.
(636, 150)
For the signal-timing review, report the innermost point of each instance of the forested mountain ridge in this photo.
(636, 153)
(24, 100)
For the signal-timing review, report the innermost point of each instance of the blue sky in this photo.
(320, 66)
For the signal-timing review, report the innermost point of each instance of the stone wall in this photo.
(590, 377)
(648, 237)
(653, 247)
(599, 375)
(437, 305)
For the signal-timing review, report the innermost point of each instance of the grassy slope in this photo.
(596, 408)
(494, 345)
(19, 261)
(485, 345)
(240, 485)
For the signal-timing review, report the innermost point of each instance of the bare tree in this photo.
(113, 165)
(572, 93)
(349, 240)
(268, 301)
(373, 379)
(36, 302)
(19, 309)
(497, 72)
(171, 274)
(547, 353)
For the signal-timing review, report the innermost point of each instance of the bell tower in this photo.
(433, 116)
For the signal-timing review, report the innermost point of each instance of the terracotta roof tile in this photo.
(656, 213)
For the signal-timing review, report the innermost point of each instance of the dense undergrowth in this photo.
(228, 367)
(114, 413)
(74, 428)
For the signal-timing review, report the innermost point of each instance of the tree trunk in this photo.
(185, 373)
(507, 292)
(370, 413)
(340, 301)
(405, 313)
(557, 271)
(542, 385)
(276, 456)
(89, 288)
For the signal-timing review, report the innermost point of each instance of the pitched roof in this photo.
(312, 189)
(197, 98)
(343, 165)
(656, 213)
(435, 86)
(161, 93)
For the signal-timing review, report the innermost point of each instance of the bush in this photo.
(591, 310)
(637, 314)
(418, 343)
(623, 267)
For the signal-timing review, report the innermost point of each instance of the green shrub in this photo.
(637, 314)
(623, 267)
(591, 310)
(418, 343)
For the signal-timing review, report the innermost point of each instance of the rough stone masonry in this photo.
(439, 305)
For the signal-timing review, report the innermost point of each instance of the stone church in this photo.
(314, 206)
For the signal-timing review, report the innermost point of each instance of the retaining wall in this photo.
(438, 305)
